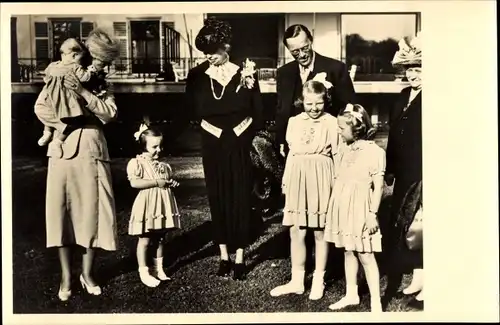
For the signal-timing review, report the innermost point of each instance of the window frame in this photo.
(130, 48)
(343, 54)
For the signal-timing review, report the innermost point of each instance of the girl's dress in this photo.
(154, 208)
(65, 102)
(353, 187)
(309, 170)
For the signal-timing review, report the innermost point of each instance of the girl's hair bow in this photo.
(321, 77)
(143, 127)
(350, 109)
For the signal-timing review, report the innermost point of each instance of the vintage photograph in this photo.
(217, 162)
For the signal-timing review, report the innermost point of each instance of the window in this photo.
(63, 29)
(145, 40)
(370, 41)
(50, 35)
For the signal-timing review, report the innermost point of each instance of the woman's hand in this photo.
(72, 82)
(371, 224)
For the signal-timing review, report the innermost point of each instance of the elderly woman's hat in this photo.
(409, 53)
(101, 46)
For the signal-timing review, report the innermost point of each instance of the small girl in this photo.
(357, 191)
(155, 208)
(64, 102)
(307, 184)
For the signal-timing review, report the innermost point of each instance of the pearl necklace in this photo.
(213, 90)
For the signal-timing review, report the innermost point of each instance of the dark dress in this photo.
(404, 149)
(226, 160)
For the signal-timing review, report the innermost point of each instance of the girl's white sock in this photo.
(146, 278)
(159, 272)
(318, 285)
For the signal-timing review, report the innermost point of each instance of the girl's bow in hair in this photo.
(350, 109)
(142, 128)
(321, 77)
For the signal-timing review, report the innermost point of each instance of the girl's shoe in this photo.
(64, 295)
(147, 278)
(45, 139)
(295, 286)
(95, 290)
(158, 270)
(345, 302)
(239, 271)
(224, 268)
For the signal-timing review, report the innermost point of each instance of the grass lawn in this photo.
(191, 259)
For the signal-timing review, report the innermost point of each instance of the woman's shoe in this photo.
(64, 295)
(416, 284)
(239, 271)
(224, 268)
(95, 291)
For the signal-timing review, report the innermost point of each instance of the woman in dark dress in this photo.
(404, 165)
(226, 99)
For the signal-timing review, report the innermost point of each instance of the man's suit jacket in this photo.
(289, 88)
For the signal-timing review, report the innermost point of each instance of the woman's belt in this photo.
(215, 131)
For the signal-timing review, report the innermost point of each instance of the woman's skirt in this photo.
(307, 185)
(228, 176)
(80, 207)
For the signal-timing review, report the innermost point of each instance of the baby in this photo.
(64, 102)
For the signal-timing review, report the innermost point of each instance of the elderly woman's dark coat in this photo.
(404, 147)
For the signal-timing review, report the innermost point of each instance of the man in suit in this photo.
(307, 64)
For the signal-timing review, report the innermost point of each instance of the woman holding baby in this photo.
(80, 206)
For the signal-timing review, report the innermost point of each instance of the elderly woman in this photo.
(404, 159)
(80, 208)
(226, 98)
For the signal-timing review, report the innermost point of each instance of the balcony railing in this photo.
(32, 69)
(176, 70)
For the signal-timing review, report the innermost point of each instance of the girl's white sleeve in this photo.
(134, 170)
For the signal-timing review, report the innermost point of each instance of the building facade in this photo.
(150, 44)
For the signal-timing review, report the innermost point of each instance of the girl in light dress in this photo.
(312, 137)
(155, 209)
(352, 223)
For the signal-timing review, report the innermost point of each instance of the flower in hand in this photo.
(172, 183)
(247, 75)
(371, 224)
